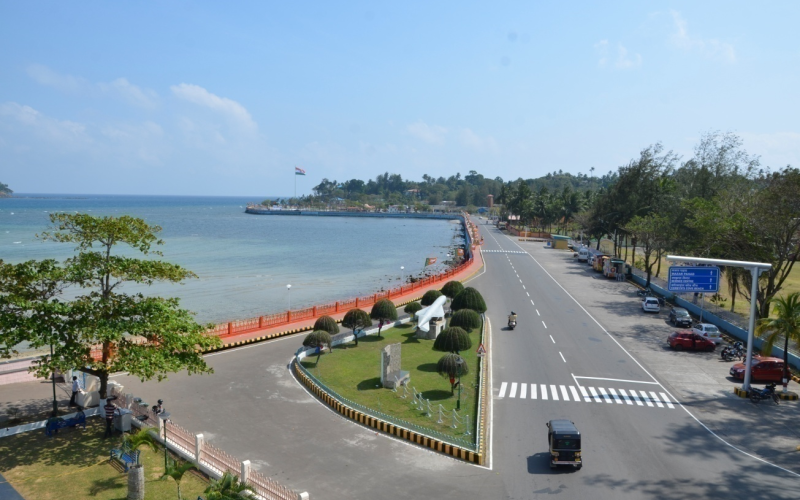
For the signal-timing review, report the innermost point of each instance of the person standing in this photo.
(76, 388)
(109, 413)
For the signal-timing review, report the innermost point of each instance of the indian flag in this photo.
(430, 260)
(299, 171)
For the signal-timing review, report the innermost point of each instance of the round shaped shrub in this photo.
(453, 339)
(327, 324)
(469, 298)
(412, 308)
(452, 365)
(452, 288)
(430, 297)
(466, 319)
(317, 338)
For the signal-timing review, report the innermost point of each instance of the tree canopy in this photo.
(383, 311)
(430, 297)
(356, 319)
(466, 319)
(326, 323)
(469, 298)
(145, 336)
(452, 288)
(453, 339)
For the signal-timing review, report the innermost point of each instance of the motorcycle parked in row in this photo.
(767, 392)
(731, 352)
(649, 293)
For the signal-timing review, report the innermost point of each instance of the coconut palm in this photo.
(466, 319)
(176, 472)
(430, 297)
(356, 319)
(318, 338)
(453, 339)
(469, 298)
(785, 325)
(142, 438)
(327, 324)
(452, 366)
(383, 311)
(228, 487)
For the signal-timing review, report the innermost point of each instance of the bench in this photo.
(54, 424)
(125, 456)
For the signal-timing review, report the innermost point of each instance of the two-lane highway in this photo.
(638, 441)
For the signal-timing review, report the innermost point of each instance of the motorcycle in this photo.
(512, 321)
(731, 352)
(767, 392)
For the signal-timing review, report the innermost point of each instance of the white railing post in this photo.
(302, 496)
(245, 471)
(198, 447)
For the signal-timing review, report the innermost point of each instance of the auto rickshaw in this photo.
(564, 441)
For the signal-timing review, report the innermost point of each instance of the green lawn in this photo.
(354, 373)
(74, 465)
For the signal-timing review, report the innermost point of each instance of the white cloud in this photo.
(45, 76)
(623, 59)
(710, 47)
(432, 134)
(228, 107)
(131, 93)
(473, 141)
(63, 131)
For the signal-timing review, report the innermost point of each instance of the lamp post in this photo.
(459, 362)
(164, 415)
(289, 296)
(402, 268)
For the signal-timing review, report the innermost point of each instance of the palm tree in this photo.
(176, 472)
(383, 311)
(785, 324)
(356, 319)
(141, 438)
(227, 487)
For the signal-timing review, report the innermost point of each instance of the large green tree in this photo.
(356, 319)
(145, 336)
(383, 311)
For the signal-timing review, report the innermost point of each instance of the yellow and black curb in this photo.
(386, 427)
(786, 396)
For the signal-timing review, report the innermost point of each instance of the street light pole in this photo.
(458, 401)
(164, 415)
(402, 268)
(289, 296)
(53, 376)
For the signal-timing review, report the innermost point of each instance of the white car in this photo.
(650, 304)
(709, 331)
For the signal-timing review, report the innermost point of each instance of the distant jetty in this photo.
(264, 210)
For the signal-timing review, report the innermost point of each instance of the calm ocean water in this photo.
(244, 262)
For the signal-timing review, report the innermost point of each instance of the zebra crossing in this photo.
(553, 392)
(503, 251)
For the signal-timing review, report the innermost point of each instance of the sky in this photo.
(226, 98)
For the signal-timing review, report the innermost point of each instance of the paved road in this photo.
(647, 446)
(639, 442)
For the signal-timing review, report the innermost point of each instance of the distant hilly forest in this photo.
(721, 202)
(5, 191)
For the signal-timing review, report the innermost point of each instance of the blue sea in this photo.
(245, 262)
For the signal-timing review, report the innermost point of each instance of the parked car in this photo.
(650, 304)
(687, 339)
(763, 368)
(679, 316)
(709, 331)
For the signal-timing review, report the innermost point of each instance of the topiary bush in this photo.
(383, 311)
(452, 366)
(412, 308)
(452, 288)
(453, 339)
(318, 338)
(430, 297)
(356, 319)
(469, 298)
(327, 324)
(466, 319)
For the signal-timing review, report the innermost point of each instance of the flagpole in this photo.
(295, 183)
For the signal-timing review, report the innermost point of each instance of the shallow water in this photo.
(243, 261)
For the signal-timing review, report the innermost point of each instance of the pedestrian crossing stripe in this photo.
(552, 392)
(503, 251)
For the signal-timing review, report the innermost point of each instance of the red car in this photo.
(767, 369)
(687, 339)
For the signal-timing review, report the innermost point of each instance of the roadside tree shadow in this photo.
(112, 483)
(437, 395)
(428, 367)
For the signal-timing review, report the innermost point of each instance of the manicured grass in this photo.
(354, 373)
(74, 465)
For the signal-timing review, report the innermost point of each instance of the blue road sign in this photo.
(693, 279)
